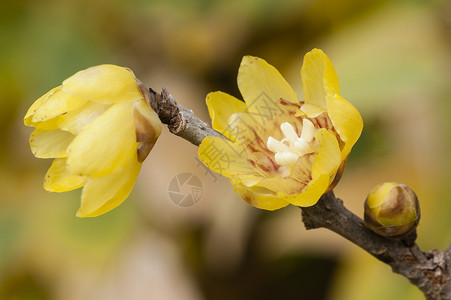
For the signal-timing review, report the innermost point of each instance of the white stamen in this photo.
(276, 146)
(289, 131)
(308, 130)
(302, 146)
(289, 149)
(286, 158)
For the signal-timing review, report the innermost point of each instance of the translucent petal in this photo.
(347, 121)
(310, 194)
(220, 107)
(249, 127)
(30, 113)
(279, 184)
(50, 143)
(248, 180)
(260, 197)
(102, 194)
(106, 145)
(58, 178)
(319, 79)
(224, 157)
(252, 136)
(104, 83)
(75, 120)
(57, 104)
(302, 171)
(147, 128)
(262, 86)
(312, 111)
(328, 157)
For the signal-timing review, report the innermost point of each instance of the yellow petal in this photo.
(102, 194)
(50, 124)
(58, 179)
(30, 113)
(250, 127)
(311, 111)
(248, 180)
(310, 194)
(251, 132)
(147, 128)
(104, 83)
(377, 195)
(106, 145)
(244, 127)
(57, 104)
(302, 171)
(319, 79)
(220, 107)
(328, 158)
(280, 184)
(347, 121)
(262, 86)
(50, 143)
(300, 176)
(75, 120)
(260, 197)
(224, 157)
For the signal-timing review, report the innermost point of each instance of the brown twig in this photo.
(429, 271)
(181, 121)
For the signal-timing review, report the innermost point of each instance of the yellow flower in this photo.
(392, 209)
(99, 128)
(281, 150)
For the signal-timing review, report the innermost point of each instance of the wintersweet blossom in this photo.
(280, 150)
(392, 209)
(99, 129)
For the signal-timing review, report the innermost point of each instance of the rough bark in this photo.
(181, 121)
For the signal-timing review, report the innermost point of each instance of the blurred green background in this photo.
(393, 59)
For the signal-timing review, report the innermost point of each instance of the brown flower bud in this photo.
(392, 210)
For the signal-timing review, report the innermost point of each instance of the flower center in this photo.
(289, 149)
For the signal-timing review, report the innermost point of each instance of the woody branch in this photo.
(429, 271)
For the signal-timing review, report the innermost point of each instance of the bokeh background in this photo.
(393, 60)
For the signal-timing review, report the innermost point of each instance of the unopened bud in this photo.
(392, 210)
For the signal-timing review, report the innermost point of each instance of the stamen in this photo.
(308, 130)
(275, 145)
(289, 132)
(289, 149)
(302, 146)
(286, 158)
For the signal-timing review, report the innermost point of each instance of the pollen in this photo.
(289, 149)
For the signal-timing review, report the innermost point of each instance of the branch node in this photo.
(177, 124)
(167, 108)
(379, 251)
